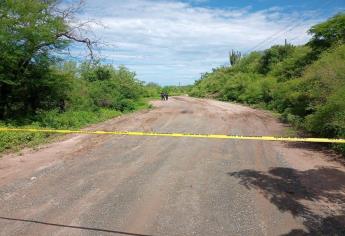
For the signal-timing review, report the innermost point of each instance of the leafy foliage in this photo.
(30, 32)
(306, 84)
(38, 88)
(293, 65)
(328, 33)
(273, 56)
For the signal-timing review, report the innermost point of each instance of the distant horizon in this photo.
(170, 42)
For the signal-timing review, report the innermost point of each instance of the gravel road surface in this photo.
(126, 185)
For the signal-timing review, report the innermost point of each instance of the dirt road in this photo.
(121, 185)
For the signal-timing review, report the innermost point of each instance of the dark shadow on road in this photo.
(73, 226)
(289, 190)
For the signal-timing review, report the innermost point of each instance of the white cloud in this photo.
(171, 41)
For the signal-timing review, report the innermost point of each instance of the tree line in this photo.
(305, 83)
(42, 86)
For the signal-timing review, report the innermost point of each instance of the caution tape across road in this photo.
(209, 136)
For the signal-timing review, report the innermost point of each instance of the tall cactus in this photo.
(234, 57)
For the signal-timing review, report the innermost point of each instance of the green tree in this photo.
(306, 83)
(294, 64)
(328, 33)
(96, 71)
(32, 33)
(274, 55)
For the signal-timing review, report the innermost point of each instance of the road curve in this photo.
(125, 185)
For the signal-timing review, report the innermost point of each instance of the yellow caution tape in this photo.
(213, 136)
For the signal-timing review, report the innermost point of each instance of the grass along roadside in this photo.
(15, 141)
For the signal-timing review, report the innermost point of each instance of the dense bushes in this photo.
(325, 82)
(39, 88)
(306, 84)
(34, 76)
(85, 101)
(111, 88)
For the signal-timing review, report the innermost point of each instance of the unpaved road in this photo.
(125, 185)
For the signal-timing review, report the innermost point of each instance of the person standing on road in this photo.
(166, 96)
(162, 96)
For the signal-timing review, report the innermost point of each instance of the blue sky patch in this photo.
(172, 42)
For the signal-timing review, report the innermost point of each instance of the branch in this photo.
(89, 44)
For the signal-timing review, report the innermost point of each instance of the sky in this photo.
(172, 42)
